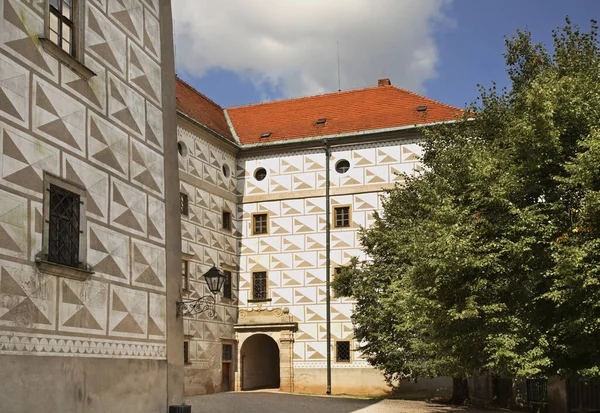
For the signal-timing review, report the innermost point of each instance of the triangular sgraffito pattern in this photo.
(157, 316)
(58, 117)
(83, 306)
(107, 146)
(128, 207)
(151, 34)
(24, 160)
(14, 91)
(144, 73)
(18, 21)
(26, 297)
(148, 268)
(92, 90)
(126, 106)
(96, 183)
(154, 126)
(128, 312)
(156, 219)
(13, 225)
(147, 168)
(129, 16)
(105, 40)
(108, 253)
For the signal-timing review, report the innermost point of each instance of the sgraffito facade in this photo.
(277, 321)
(86, 237)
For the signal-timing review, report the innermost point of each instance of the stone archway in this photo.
(261, 325)
(260, 363)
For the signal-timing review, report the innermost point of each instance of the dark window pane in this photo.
(259, 285)
(342, 351)
(63, 227)
(260, 223)
(185, 265)
(226, 220)
(227, 284)
(227, 352)
(184, 203)
(342, 217)
(186, 352)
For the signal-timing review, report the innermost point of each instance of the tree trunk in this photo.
(460, 391)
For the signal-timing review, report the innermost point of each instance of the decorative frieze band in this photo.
(43, 345)
(323, 365)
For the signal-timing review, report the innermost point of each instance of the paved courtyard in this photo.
(265, 402)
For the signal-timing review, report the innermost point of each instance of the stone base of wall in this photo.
(77, 384)
(201, 380)
(367, 381)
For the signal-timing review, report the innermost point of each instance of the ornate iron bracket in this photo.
(201, 305)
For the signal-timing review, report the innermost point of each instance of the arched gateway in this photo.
(266, 339)
(260, 363)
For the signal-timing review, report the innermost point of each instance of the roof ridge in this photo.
(309, 96)
(196, 91)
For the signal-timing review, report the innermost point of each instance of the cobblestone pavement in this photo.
(268, 401)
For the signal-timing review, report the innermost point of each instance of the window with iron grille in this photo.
(61, 27)
(227, 284)
(184, 203)
(342, 217)
(186, 352)
(185, 274)
(259, 224)
(227, 220)
(259, 285)
(64, 227)
(342, 351)
(227, 352)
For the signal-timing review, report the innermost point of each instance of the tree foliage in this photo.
(489, 260)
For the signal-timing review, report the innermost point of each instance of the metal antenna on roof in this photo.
(338, 58)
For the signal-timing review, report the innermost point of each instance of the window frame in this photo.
(349, 351)
(253, 223)
(184, 204)
(74, 60)
(186, 352)
(185, 283)
(334, 217)
(231, 346)
(229, 221)
(83, 270)
(228, 282)
(266, 297)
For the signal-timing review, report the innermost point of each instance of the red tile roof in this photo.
(351, 111)
(345, 112)
(200, 108)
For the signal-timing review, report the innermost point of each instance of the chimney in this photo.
(384, 82)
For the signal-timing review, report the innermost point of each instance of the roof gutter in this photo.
(343, 135)
(209, 130)
(317, 140)
(231, 128)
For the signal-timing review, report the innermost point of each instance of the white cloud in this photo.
(290, 45)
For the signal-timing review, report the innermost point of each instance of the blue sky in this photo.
(458, 44)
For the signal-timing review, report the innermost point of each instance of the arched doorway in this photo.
(260, 363)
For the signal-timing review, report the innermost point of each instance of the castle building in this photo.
(89, 216)
(254, 182)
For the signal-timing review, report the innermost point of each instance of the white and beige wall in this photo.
(206, 243)
(293, 253)
(64, 342)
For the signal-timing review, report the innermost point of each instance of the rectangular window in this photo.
(227, 220)
(184, 203)
(186, 352)
(61, 26)
(259, 285)
(63, 227)
(341, 217)
(227, 352)
(260, 224)
(185, 275)
(227, 284)
(342, 351)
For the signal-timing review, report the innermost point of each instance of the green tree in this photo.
(488, 261)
